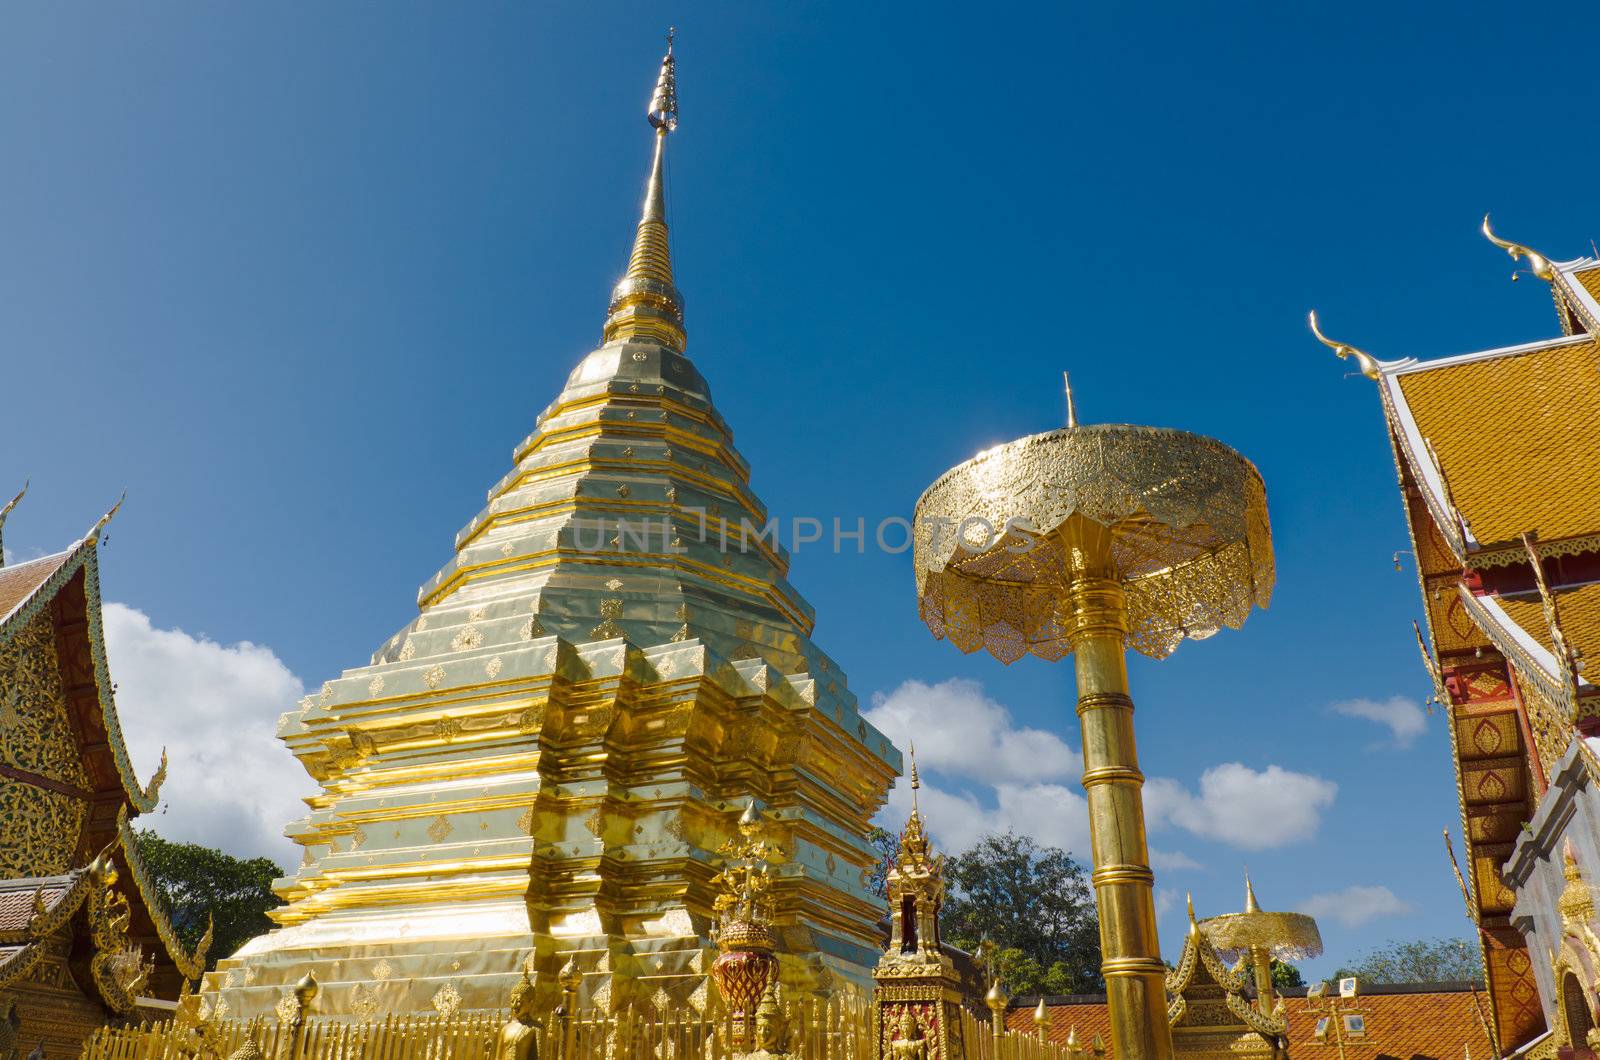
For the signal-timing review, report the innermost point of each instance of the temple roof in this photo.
(1419, 1021)
(50, 609)
(1506, 426)
(20, 581)
(1580, 620)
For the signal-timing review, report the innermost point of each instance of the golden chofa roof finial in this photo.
(1538, 264)
(645, 305)
(1365, 361)
(12, 503)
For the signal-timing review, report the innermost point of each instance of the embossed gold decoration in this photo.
(1187, 535)
(1089, 540)
(743, 932)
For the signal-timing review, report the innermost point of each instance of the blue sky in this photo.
(299, 276)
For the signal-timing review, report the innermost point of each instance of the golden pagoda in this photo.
(1500, 474)
(541, 765)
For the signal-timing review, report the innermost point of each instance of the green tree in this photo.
(1418, 961)
(196, 882)
(1034, 906)
(1286, 975)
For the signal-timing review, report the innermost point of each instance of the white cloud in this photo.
(1241, 806)
(232, 784)
(1356, 905)
(960, 731)
(1403, 717)
(1053, 815)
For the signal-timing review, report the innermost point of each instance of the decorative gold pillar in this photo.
(1096, 630)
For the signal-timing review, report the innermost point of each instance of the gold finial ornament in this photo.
(1072, 406)
(1365, 361)
(93, 536)
(1538, 264)
(645, 304)
(1250, 903)
(12, 503)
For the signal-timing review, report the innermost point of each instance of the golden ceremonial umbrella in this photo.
(1084, 541)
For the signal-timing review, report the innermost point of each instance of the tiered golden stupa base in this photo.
(447, 975)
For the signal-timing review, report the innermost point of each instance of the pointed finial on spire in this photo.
(1365, 361)
(12, 503)
(916, 778)
(750, 820)
(645, 304)
(1538, 264)
(1250, 903)
(1072, 408)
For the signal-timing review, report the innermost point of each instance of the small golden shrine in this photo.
(1210, 1010)
(917, 1003)
(545, 760)
(77, 946)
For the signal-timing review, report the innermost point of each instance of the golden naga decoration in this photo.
(1365, 361)
(1538, 264)
(118, 966)
(10, 1027)
(745, 965)
(1087, 541)
(1441, 693)
(1461, 882)
(1566, 659)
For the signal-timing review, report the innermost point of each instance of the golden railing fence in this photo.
(835, 1029)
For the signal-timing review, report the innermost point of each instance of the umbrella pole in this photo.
(1097, 625)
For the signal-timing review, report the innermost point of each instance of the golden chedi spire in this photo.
(645, 304)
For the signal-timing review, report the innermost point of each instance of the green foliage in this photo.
(1033, 908)
(196, 881)
(1286, 975)
(1418, 961)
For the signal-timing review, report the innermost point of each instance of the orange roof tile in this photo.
(1514, 434)
(1580, 621)
(18, 581)
(1590, 279)
(1425, 1025)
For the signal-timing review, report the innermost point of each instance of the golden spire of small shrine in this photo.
(1250, 903)
(645, 304)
